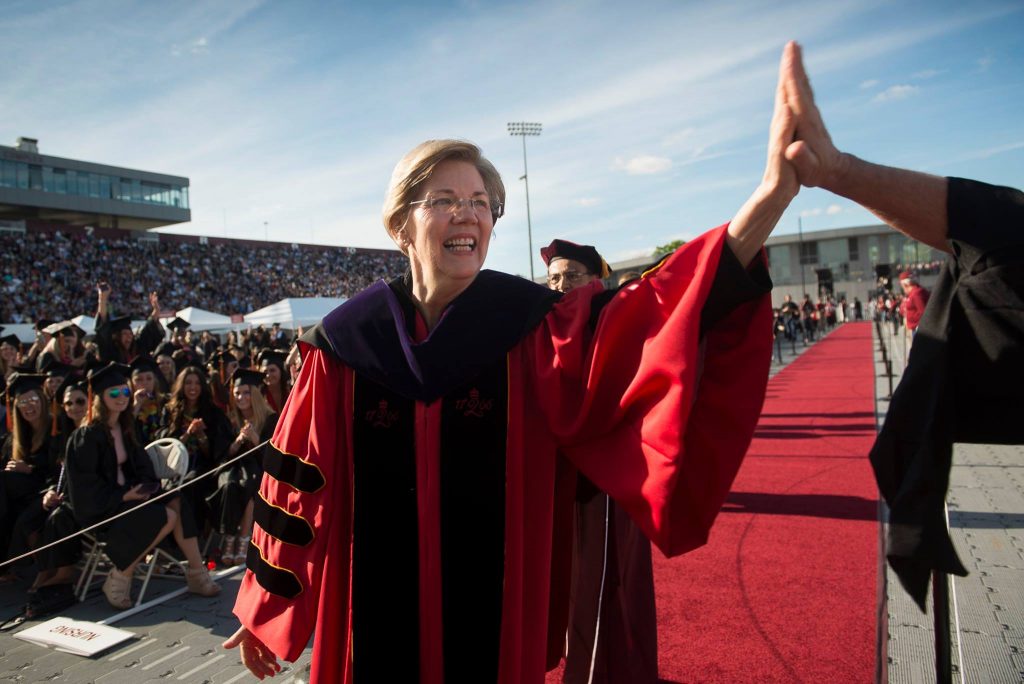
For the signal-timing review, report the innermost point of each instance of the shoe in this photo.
(242, 550)
(229, 551)
(200, 582)
(118, 589)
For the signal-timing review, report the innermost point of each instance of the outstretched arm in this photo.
(911, 202)
(757, 217)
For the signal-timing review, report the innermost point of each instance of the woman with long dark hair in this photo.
(26, 460)
(148, 401)
(277, 382)
(109, 473)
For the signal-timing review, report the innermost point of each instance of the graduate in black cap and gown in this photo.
(232, 503)
(276, 380)
(114, 337)
(26, 458)
(108, 473)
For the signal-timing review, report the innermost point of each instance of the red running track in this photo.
(786, 588)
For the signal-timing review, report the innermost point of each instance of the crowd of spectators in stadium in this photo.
(51, 275)
(78, 411)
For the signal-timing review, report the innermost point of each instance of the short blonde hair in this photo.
(416, 167)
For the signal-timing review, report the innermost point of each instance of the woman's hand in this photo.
(255, 655)
(756, 219)
(196, 427)
(51, 499)
(18, 467)
(134, 494)
(249, 433)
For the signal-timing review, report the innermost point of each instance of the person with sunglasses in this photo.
(108, 473)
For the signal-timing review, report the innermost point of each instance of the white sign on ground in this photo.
(79, 637)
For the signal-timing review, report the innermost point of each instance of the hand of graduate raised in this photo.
(255, 654)
(812, 154)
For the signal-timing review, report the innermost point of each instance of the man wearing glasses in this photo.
(612, 634)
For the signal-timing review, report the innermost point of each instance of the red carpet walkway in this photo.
(785, 591)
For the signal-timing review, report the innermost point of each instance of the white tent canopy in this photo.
(294, 312)
(201, 319)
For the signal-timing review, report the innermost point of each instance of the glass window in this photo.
(83, 184)
(35, 177)
(60, 181)
(854, 247)
(136, 195)
(809, 252)
(72, 179)
(22, 171)
(48, 184)
(780, 262)
(832, 253)
(105, 189)
(8, 174)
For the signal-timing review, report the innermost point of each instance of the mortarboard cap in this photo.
(165, 349)
(55, 369)
(244, 376)
(110, 375)
(178, 323)
(119, 324)
(19, 383)
(11, 340)
(585, 254)
(143, 363)
(63, 327)
(41, 324)
(274, 356)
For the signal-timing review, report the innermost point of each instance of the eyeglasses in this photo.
(75, 402)
(119, 392)
(28, 400)
(481, 206)
(555, 279)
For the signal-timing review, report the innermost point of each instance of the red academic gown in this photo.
(653, 412)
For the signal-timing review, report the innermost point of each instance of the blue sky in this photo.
(655, 114)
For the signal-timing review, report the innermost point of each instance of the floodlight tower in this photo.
(523, 129)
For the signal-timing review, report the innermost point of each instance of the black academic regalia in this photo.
(146, 341)
(237, 485)
(963, 380)
(18, 493)
(219, 435)
(95, 494)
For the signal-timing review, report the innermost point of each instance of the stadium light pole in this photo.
(523, 129)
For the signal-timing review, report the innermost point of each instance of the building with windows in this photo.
(846, 262)
(52, 190)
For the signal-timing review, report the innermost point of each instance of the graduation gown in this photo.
(962, 382)
(419, 544)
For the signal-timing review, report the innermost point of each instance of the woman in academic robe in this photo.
(26, 461)
(10, 348)
(277, 381)
(232, 504)
(109, 473)
(413, 480)
(148, 400)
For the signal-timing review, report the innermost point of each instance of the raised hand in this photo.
(814, 157)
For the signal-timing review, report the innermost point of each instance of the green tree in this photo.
(667, 248)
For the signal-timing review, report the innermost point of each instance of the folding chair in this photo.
(170, 463)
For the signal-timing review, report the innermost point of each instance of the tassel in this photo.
(53, 421)
(88, 418)
(221, 364)
(10, 416)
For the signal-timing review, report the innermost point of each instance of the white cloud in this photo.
(811, 212)
(927, 73)
(868, 84)
(896, 92)
(588, 201)
(644, 165)
(833, 209)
